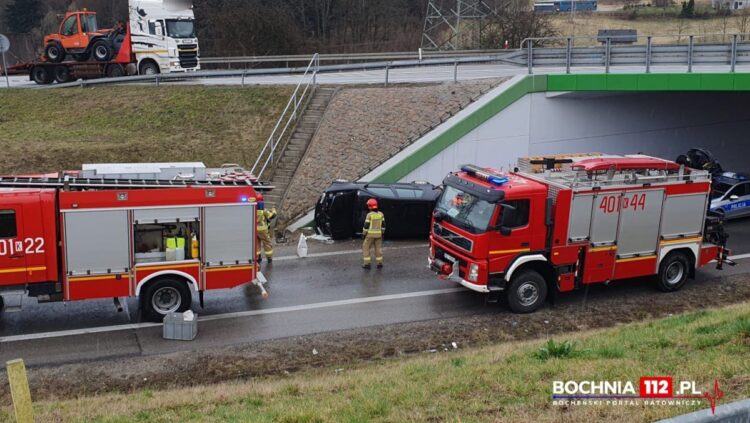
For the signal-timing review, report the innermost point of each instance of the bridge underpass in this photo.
(657, 114)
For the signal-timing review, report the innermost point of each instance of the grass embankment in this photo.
(52, 130)
(508, 382)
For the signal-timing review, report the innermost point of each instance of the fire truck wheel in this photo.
(163, 296)
(673, 272)
(527, 292)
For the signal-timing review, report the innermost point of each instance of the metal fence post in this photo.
(606, 56)
(568, 55)
(690, 54)
(387, 71)
(648, 54)
(157, 79)
(243, 78)
(530, 57)
(734, 52)
(455, 70)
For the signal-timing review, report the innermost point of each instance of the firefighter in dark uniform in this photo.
(262, 229)
(372, 232)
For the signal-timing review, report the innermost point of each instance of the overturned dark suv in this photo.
(341, 210)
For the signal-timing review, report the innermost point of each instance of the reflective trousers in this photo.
(367, 246)
(264, 243)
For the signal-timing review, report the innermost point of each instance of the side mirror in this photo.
(734, 197)
(159, 29)
(505, 231)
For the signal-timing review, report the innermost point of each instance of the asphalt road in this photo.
(325, 292)
(412, 75)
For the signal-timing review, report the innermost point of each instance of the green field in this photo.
(52, 130)
(507, 382)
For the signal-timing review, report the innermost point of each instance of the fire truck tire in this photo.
(54, 52)
(527, 291)
(673, 272)
(62, 74)
(163, 296)
(103, 51)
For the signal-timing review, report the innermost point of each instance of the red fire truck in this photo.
(558, 224)
(122, 231)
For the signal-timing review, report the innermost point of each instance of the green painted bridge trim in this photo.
(664, 82)
(645, 82)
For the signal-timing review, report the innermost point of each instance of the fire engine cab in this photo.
(561, 223)
(162, 232)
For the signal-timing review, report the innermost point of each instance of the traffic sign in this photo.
(4, 43)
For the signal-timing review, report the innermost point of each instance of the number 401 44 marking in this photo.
(613, 203)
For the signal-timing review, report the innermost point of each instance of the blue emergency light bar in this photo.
(491, 177)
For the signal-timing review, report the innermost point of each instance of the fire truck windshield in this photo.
(465, 210)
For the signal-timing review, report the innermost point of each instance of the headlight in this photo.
(473, 272)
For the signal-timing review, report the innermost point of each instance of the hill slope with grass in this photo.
(51, 130)
(506, 382)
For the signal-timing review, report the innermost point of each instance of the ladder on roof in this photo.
(71, 183)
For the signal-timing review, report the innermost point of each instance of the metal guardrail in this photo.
(288, 117)
(347, 57)
(534, 53)
(612, 53)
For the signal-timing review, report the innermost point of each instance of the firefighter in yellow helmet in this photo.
(263, 236)
(373, 234)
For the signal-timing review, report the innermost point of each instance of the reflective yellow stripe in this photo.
(681, 241)
(519, 250)
(23, 269)
(178, 266)
(625, 260)
(99, 278)
(224, 269)
(607, 248)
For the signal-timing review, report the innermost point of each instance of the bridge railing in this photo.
(716, 49)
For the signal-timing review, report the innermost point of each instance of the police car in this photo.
(730, 194)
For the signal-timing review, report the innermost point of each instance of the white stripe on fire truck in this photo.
(681, 241)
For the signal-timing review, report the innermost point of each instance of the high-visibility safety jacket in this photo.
(374, 224)
(264, 216)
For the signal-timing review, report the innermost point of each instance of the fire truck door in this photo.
(599, 262)
(12, 253)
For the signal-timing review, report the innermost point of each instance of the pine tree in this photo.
(23, 15)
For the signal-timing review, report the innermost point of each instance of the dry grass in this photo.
(51, 130)
(589, 24)
(506, 382)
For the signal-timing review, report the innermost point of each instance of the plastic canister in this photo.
(175, 248)
(180, 252)
(194, 247)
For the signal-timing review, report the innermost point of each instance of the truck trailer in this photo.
(162, 232)
(558, 224)
(159, 37)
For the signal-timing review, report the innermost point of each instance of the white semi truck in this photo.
(159, 38)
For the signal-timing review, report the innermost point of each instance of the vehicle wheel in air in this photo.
(526, 292)
(62, 74)
(102, 51)
(673, 272)
(163, 296)
(41, 75)
(115, 70)
(54, 52)
(149, 68)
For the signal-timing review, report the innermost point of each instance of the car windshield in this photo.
(182, 28)
(719, 189)
(465, 210)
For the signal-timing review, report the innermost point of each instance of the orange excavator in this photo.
(80, 37)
